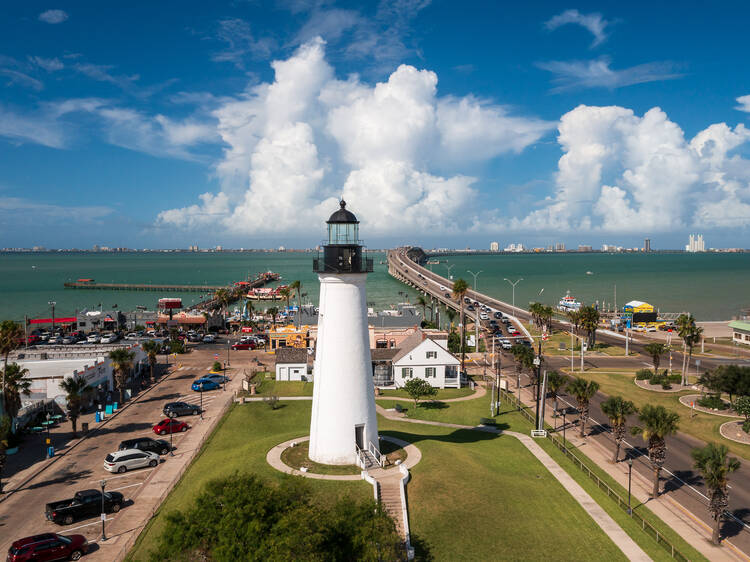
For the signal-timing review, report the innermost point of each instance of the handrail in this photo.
(360, 456)
(377, 454)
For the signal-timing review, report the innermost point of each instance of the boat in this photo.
(589, 273)
(568, 303)
(433, 262)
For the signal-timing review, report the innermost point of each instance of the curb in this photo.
(80, 440)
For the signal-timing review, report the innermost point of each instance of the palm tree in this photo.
(10, 336)
(151, 348)
(590, 322)
(296, 286)
(222, 296)
(74, 389)
(248, 306)
(273, 311)
(15, 384)
(5, 424)
(122, 361)
(617, 410)
(421, 301)
(655, 351)
(574, 317)
(555, 384)
(715, 466)
(545, 316)
(658, 423)
(690, 335)
(583, 391)
(451, 314)
(535, 309)
(460, 288)
(693, 337)
(286, 294)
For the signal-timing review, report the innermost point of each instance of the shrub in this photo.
(644, 374)
(746, 426)
(742, 406)
(713, 402)
(216, 367)
(674, 378)
(176, 346)
(272, 400)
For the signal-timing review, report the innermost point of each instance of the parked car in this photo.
(180, 409)
(216, 377)
(208, 338)
(244, 345)
(108, 338)
(206, 383)
(163, 427)
(158, 446)
(131, 336)
(48, 546)
(506, 344)
(55, 340)
(93, 338)
(85, 503)
(194, 338)
(122, 461)
(68, 340)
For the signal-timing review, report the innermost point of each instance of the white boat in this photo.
(568, 303)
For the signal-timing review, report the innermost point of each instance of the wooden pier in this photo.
(258, 281)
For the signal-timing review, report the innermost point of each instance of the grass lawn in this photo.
(297, 457)
(703, 426)
(443, 393)
(240, 444)
(478, 496)
(268, 385)
(552, 345)
(465, 412)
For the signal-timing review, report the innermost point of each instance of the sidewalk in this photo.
(690, 528)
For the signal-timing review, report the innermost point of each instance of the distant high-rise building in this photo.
(559, 247)
(584, 248)
(696, 243)
(647, 245)
(494, 246)
(515, 248)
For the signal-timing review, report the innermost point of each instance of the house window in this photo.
(429, 371)
(432, 355)
(406, 372)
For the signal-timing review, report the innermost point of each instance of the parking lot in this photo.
(81, 465)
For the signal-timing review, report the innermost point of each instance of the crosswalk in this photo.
(195, 398)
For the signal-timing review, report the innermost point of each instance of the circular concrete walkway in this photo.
(688, 398)
(413, 456)
(732, 430)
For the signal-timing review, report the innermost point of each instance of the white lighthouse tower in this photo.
(343, 411)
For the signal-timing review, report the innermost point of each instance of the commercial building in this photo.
(100, 320)
(494, 247)
(695, 244)
(740, 331)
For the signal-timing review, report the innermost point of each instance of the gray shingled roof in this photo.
(383, 354)
(291, 355)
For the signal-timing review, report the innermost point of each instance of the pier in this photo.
(260, 280)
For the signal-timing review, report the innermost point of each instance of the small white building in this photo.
(429, 359)
(291, 364)
(740, 331)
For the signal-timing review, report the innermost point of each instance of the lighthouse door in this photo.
(359, 436)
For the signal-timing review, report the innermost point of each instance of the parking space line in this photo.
(141, 471)
(98, 522)
(128, 486)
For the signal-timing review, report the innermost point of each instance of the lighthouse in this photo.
(343, 412)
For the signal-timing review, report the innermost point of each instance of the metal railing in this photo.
(375, 452)
(565, 448)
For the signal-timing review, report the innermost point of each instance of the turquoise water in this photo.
(711, 286)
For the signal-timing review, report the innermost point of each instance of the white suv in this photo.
(122, 461)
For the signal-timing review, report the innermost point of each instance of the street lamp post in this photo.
(103, 484)
(630, 474)
(514, 291)
(171, 415)
(449, 267)
(565, 423)
(475, 277)
(227, 351)
(201, 400)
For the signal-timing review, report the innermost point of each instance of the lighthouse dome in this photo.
(342, 215)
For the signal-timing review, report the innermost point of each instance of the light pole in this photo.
(227, 351)
(52, 304)
(630, 473)
(565, 423)
(201, 400)
(171, 415)
(475, 277)
(449, 267)
(103, 483)
(514, 291)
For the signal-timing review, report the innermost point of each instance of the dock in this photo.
(260, 280)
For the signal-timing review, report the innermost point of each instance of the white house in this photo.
(291, 364)
(428, 359)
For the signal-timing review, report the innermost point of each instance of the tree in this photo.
(416, 388)
(223, 297)
(590, 322)
(121, 360)
(715, 466)
(655, 351)
(241, 517)
(273, 311)
(151, 348)
(460, 288)
(286, 294)
(583, 391)
(451, 314)
(574, 317)
(296, 286)
(15, 384)
(74, 389)
(690, 335)
(422, 301)
(10, 336)
(535, 309)
(742, 407)
(658, 423)
(617, 410)
(555, 384)
(545, 317)
(5, 425)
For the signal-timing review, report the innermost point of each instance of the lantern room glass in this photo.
(343, 233)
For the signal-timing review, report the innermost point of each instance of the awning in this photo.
(61, 320)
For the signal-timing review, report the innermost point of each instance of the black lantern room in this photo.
(343, 251)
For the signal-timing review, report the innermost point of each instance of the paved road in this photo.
(22, 512)
(682, 481)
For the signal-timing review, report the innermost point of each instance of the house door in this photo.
(359, 436)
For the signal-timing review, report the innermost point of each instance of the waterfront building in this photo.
(494, 246)
(343, 418)
(740, 331)
(559, 247)
(647, 245)
(584, 248)
(515, 248)
(99, 320)
(695, 244)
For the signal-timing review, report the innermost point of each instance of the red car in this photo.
(244, 345)
(49, 546)
(162, 428)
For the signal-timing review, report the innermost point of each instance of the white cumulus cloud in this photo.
(621, 172)
(744, 102)
(296, 144)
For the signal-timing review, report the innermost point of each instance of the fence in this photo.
(565, 448)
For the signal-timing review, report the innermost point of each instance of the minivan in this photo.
(122, 461)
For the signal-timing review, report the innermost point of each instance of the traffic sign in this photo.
(545, 337)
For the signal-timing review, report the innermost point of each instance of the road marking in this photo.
(86, 525)
(140, 471)
(128, 486)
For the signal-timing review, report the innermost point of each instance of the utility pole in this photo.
(572, 345)
(538, 363)
(52, 304)
(583, 348)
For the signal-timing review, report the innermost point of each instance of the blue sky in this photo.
(176, 123)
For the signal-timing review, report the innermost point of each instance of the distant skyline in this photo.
(241, 123)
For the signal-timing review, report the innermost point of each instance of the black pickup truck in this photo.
(85, 503)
